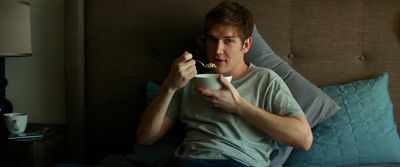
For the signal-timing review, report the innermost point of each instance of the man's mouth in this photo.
(219, 61)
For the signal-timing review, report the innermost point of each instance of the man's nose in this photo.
(220, 47)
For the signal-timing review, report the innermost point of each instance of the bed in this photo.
(114, 48)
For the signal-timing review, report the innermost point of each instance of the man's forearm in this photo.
(151, 124)
(293, 131)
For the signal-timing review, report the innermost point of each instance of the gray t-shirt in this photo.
(216, 134)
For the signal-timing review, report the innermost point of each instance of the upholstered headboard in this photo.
(114, 47)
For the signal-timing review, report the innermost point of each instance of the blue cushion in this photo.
(151, 91)
(363, 132)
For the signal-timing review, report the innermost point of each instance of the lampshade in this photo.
(15, 28)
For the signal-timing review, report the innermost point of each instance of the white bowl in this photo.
(209, 81)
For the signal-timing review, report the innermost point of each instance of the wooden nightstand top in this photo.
(52, 130)
(42, 152)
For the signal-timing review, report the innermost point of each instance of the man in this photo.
(233, 126)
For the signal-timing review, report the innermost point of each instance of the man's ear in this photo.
(247, 44)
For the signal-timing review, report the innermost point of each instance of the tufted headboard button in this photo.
(361, 58)
(290, 56)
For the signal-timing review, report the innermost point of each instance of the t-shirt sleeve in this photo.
(283, 102)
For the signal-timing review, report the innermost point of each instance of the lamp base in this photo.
(5, 107)
(5, 104)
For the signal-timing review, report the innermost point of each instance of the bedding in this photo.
(363, 132)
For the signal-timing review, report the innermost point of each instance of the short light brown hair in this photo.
(231, 13)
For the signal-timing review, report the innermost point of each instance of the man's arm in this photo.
(154, 122)
(294, 131)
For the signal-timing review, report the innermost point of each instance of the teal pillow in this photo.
(162, 150)
(363, 132)
(151, 91)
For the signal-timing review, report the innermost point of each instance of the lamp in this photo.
(15, 39)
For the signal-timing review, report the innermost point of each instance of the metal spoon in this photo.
(208, 66)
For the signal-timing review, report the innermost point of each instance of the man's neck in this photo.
(240, 70)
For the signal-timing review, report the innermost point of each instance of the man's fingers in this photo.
(190, 73)
(225, 82)
(185, 61)
(185, 56)
(205, 92)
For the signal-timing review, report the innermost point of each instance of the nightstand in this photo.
(43, 152)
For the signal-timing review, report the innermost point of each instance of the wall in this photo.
(36, 84)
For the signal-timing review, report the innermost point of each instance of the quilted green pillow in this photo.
(363, 132)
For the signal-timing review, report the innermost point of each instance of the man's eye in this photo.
(229, 41)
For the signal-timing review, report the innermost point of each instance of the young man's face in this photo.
(225, 49)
